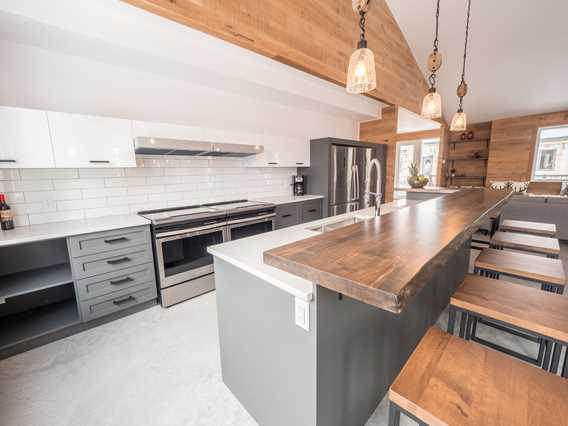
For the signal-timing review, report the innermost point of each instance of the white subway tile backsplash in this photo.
(100, 173)
(103, 192)
(52, 195)
(63, 194)
(9, 174)
(78, 183)
(106, 211)
(125, 181)
(36, 219)
(81, 204)
(26, 174)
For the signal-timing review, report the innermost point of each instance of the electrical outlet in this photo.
(302, 313)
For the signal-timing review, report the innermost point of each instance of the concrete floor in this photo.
(157, 367)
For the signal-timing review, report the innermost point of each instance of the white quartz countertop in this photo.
(434, 189)
(247, 254)
(50, 231)
(287, 199)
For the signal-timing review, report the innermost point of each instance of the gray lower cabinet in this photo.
(298, 212)
(112, 271)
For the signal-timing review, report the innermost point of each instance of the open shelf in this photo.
(466, 177)
(26, 282)
(467, 158)
(470, 141)
(22, 327)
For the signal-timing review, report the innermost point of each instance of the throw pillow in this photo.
(499, 185)
(519, 186)
(564, 188)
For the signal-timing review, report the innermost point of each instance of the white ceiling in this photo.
(409, 122)
(517, 56)
(106, 57)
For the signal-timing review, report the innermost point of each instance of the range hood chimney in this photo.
(162, 146)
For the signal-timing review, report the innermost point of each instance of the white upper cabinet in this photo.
(24, 139)
(282, 151)
(87, 141)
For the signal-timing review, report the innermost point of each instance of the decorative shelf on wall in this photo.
(470, 141)
(467, 158)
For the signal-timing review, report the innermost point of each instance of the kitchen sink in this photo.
(326, 227)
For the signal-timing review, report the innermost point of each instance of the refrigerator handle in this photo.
(357, 185)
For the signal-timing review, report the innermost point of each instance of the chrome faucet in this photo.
(378, 183)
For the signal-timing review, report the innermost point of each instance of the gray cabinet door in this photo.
(287, 215)
(311, 210)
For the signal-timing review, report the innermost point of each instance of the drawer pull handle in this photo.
(99, 161)
(122, 281)
(286, 215)
(116, 240)
(299, 164)
(272, 163)
(118, 261)
(312, 210)
(7, 161)
(123, 301)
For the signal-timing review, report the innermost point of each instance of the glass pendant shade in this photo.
(459, 122)
(432, 105)
(361, 76)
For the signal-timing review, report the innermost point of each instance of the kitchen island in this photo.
(316, 333)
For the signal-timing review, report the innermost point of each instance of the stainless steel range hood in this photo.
(162, 146)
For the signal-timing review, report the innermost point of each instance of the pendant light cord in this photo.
(465, 49)
(432, 77)
(362, 18)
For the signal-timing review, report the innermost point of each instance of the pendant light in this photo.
(361, 75)
(432, 103)
(459, 120)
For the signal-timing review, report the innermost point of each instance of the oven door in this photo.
(242, 228)
(183, 256)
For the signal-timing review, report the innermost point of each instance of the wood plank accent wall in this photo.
(384, 131)
(316, 36)
(513, 142)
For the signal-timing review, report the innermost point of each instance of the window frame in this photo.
(536, 157)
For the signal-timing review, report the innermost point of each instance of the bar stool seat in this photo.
(548, 272)
(543, 315)
(452, 381)
(535, 228)
(526, 242)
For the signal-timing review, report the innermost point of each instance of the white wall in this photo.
(52, 195)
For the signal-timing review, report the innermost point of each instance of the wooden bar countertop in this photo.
(386, 261)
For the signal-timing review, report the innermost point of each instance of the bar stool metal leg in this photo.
(463, 324)
(555, 358)
(394, 414)
(451, 320)
(547, 352)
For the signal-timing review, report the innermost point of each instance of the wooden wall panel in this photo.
(513, 142)
(384, 131)
(316, 36)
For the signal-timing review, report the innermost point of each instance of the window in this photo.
(551, 156)
(424, 153)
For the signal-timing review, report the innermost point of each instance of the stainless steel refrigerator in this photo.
(351, 178)
(341, 171)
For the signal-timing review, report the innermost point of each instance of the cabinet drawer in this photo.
(123, 299)
(287, 215)
(109, 283)
(100, 242)
(311, 210)
(102, 263)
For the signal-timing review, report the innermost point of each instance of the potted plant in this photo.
(415, 180)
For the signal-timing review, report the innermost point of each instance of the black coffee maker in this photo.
(298, 184)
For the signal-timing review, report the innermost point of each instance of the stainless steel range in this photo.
(182, 235)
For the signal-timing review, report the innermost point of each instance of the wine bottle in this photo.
(6, 216)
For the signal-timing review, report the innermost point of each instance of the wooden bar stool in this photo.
(526, 242)
(452, 381)
(535, 315)
(535, 228)
(547, 272)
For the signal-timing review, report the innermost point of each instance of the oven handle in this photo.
(252, 220)
(183, 233)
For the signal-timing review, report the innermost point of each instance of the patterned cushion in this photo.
(519, 186)
(499, 185)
